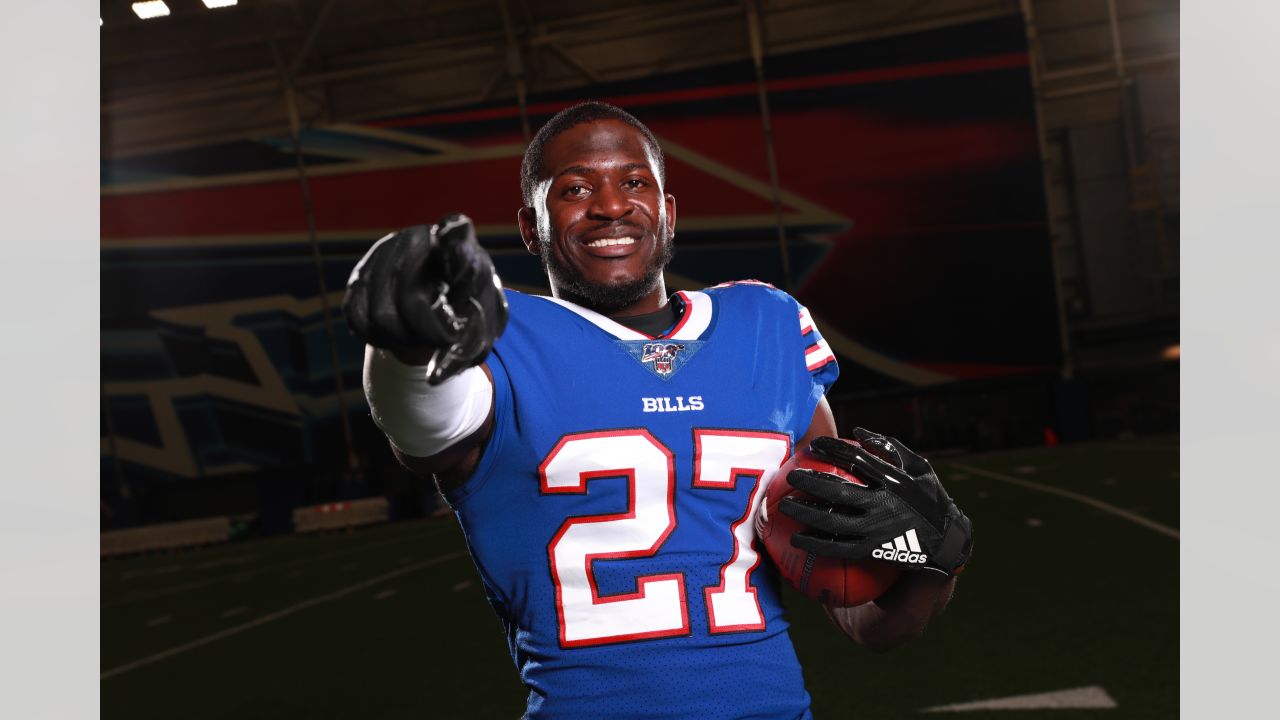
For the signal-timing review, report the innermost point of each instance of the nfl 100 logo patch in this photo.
(663, 358)
(662, 355)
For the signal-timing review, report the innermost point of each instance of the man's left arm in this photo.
(897, 616)
(902, 613)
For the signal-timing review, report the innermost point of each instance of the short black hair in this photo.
(584, 112)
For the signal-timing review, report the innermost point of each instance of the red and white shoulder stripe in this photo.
(818, 353)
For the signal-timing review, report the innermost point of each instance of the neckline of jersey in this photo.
(657, 322)
(694, 320)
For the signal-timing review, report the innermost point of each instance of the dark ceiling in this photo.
(202, 75)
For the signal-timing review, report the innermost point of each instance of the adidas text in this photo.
(904, 556)
(677, 404)
(904, 549)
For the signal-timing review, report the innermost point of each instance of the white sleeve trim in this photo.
(419, 419)
(806, 321)
(817, 355)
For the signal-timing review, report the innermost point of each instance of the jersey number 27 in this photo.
(657, 608)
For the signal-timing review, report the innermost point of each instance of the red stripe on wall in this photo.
(362, 200)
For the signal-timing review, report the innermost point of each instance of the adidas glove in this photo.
(430, 295)
(902, 516)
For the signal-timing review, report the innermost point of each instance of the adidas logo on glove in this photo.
(904, 549)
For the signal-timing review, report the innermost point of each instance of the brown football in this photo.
(831, 581)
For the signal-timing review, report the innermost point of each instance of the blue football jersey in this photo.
(610, 514)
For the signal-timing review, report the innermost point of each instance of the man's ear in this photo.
(670, 200)
(527, 219)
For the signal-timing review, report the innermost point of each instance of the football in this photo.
(831, 581)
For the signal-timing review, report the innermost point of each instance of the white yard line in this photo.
(1088, 698)
(1092, 502)
(272, 617)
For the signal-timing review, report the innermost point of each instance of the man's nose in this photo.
(609, 203)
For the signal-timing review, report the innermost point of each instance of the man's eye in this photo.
(574, 190)
(635, 183)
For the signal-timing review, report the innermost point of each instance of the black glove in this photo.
(428, 293)
(903, 516)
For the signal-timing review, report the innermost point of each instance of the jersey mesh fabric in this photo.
(556, 375)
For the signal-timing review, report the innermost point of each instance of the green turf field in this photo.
(391, 621)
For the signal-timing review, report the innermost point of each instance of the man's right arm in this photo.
(451, 467)
(458, 457)
(429, 307)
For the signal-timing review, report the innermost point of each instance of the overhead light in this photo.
(150, 9)
(1173, 352)
(211, 4)
(99, 22)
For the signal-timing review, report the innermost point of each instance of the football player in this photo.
(605, 448)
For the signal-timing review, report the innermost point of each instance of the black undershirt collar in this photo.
(654, 323)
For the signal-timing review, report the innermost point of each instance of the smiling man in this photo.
(598, 216)
(605, 448)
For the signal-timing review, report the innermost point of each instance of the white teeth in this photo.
(606, 242)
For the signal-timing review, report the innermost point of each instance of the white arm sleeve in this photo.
(418, 419)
